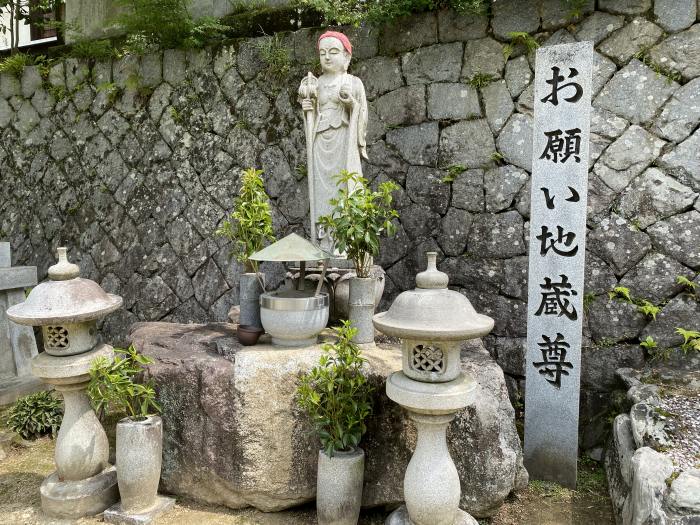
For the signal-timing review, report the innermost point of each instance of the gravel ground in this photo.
(683, 427)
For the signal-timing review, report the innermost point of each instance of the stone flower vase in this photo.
(339, 487)
(361, 308)
(249, 294)
(139, 457)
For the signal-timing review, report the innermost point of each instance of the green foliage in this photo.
(689, 285)
(645, 58)
(359, 217)
(620, 292)
(112, 386)
(92, 50)
(691, 340)
(206, 30)
(647, 308)
(15, 64)
(649, 344)
(378, 12)
(575, 8)
(453, 172)
(480, 80)
(36, 415)
(160, 23)
(277, 57)
(250, 224)
(335, 395)
(16, 13)
(519, 38)
(588, 299)
(497, 157)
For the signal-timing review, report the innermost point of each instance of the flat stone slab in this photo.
(17, 277)
(233, 434)
(116, 515)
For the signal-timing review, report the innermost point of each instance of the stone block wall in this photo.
(133, 164)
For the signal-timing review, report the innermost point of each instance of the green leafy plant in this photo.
(276, 55)
(87, 49)
(649, 343)
(575, 8)
(335, 395)
(520, 38)
(689, 285)
(480, 80)
(588, 300)
(15, 64)
(359, 217)
(620, 292)
(644, 57)
(250, 224)
(113, 388)
(691, 340)
(36, 415)
(453, 172)
(205, 30)
(647, 308)
(159, 23)
(354, 12)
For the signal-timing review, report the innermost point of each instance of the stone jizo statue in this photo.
(335, 117)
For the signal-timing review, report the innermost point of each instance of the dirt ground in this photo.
(24, 468)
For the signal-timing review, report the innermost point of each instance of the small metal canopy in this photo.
(294, 248)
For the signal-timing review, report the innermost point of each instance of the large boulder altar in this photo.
(234, 436)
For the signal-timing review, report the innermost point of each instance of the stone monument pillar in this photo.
(17, 344)
(431, 320)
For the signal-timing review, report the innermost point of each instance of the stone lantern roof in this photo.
(65, 298)
(432, 311)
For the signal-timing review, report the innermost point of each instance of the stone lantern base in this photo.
(400, 517)
(75, 499)
(431, 485)
(118, 516)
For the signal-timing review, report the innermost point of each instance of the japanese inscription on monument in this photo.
(556, 263)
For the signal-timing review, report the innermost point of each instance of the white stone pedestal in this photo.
(115, 514)
(84, 483)
(431, 484)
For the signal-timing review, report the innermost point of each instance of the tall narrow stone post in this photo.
(17, 344)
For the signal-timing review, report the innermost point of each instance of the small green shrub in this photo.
(620, 292)
(359, 217)
(691, 340)
(689, 285)
(452, 173)
(113, 388)
(647, 308)
(276, 55)
(480, 80)
(93, 50)
(249, 226)
(649, 344)
(15, 64)
(520, 38)
(335, 395)
(36, 415)
(378, 12)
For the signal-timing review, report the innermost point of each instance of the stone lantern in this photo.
(67, 308)
(431, 322)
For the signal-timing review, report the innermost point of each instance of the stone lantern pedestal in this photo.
(431, 321)
(67, 308)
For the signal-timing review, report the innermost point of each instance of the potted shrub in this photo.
(338, 399)
(359, 217)
(140, 434)
(249, 227)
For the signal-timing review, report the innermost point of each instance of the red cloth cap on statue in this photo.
(340, 36)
